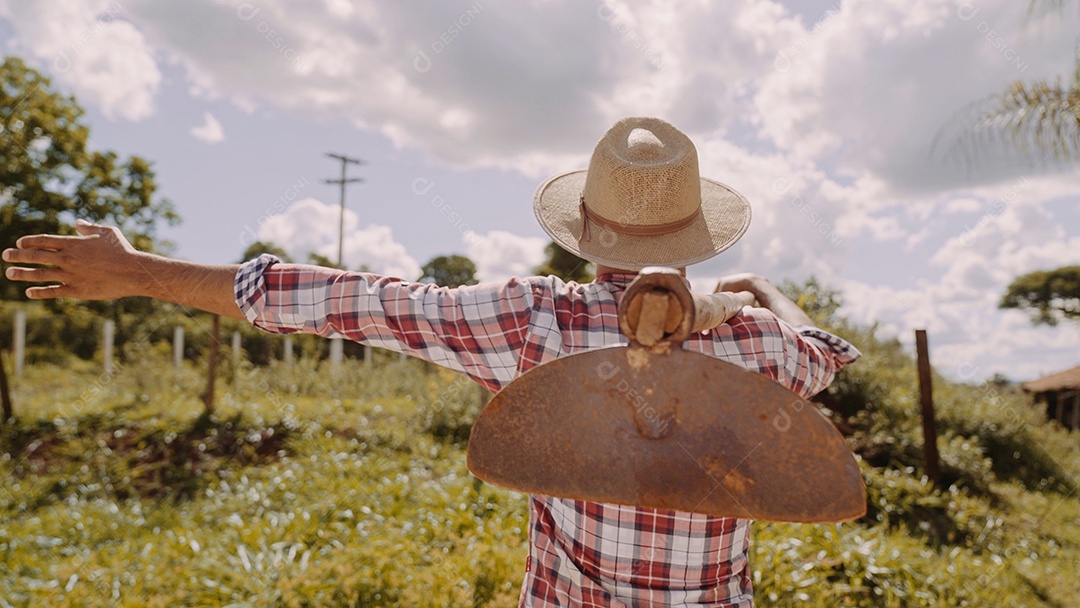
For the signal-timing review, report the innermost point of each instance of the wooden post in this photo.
(109, 336)
(178, 346)
(236, 351)
(369, 351)
(337, 350)
(926, 399)
(208, 396)
(6, 409)
(288, 350)
(20, 342)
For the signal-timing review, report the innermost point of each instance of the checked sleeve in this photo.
(477, 330)
(802, 358)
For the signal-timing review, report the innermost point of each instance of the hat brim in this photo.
(725, 216)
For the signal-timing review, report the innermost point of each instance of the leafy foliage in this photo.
(258, 248)
(565, 265)
(1050, 295)
(50, 176)
(1040, 119)
(296, 496)
(360, 495)
(819, 302)
(449, 271)
(321, 260)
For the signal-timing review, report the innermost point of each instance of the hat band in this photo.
(587, 218)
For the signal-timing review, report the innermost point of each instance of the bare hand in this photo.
(767, 295)
(743, 281)
(744, 298)
(98, 265)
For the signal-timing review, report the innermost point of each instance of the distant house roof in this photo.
(1067, 379)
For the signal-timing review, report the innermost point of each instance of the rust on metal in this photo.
(661, 427)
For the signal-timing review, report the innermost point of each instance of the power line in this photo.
(343, 181)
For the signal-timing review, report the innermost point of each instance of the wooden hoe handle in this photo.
(715, 309)
(658, 307)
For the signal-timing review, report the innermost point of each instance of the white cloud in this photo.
(874, 85)
(425, 74)
(90, 46)
(825, 124)
(210, 131)
(963, 205)
(957, 295)
(499, 255)
(311, 226)
(969, 338)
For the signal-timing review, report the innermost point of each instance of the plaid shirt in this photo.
(581, 553)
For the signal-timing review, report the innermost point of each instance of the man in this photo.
(641, 203)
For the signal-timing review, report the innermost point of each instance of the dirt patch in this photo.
(126, 460)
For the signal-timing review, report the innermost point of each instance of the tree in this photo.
(1049, 295)
(258, 248)
(819, 302)
(1040, 119)
(319, 259)
(49, 176)
(565, 265)
(449, 271)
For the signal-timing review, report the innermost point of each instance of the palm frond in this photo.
(1038, 120)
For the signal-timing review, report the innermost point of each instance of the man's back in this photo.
(586, 553)
(581, 553)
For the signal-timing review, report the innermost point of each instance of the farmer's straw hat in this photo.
(642, 202)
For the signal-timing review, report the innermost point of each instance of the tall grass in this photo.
(310, 488)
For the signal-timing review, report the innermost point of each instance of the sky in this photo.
(823, 114)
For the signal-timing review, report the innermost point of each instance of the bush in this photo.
(116, 492)
(450, 414)
(1016, 437)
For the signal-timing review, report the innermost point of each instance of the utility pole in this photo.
(345, 162)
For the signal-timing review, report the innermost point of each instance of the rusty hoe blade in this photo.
(655, 426)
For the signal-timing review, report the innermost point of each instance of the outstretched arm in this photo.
(768, 296)
(100, 264)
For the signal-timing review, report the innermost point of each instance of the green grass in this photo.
(306, 489)
(357, 503)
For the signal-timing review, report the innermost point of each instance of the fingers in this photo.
(743, 281)
(54, 242)
(32, 256)
(85, 228)
(49, 292)
(746, 298)
(35, 275)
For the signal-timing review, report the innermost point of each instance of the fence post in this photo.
(236, 350)
(337, 350)
(211, 378)
(109, 332)
(20, 342)
(178, 346)
(288, 350)
(926, 399)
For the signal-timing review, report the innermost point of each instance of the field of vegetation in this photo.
(307, 488)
